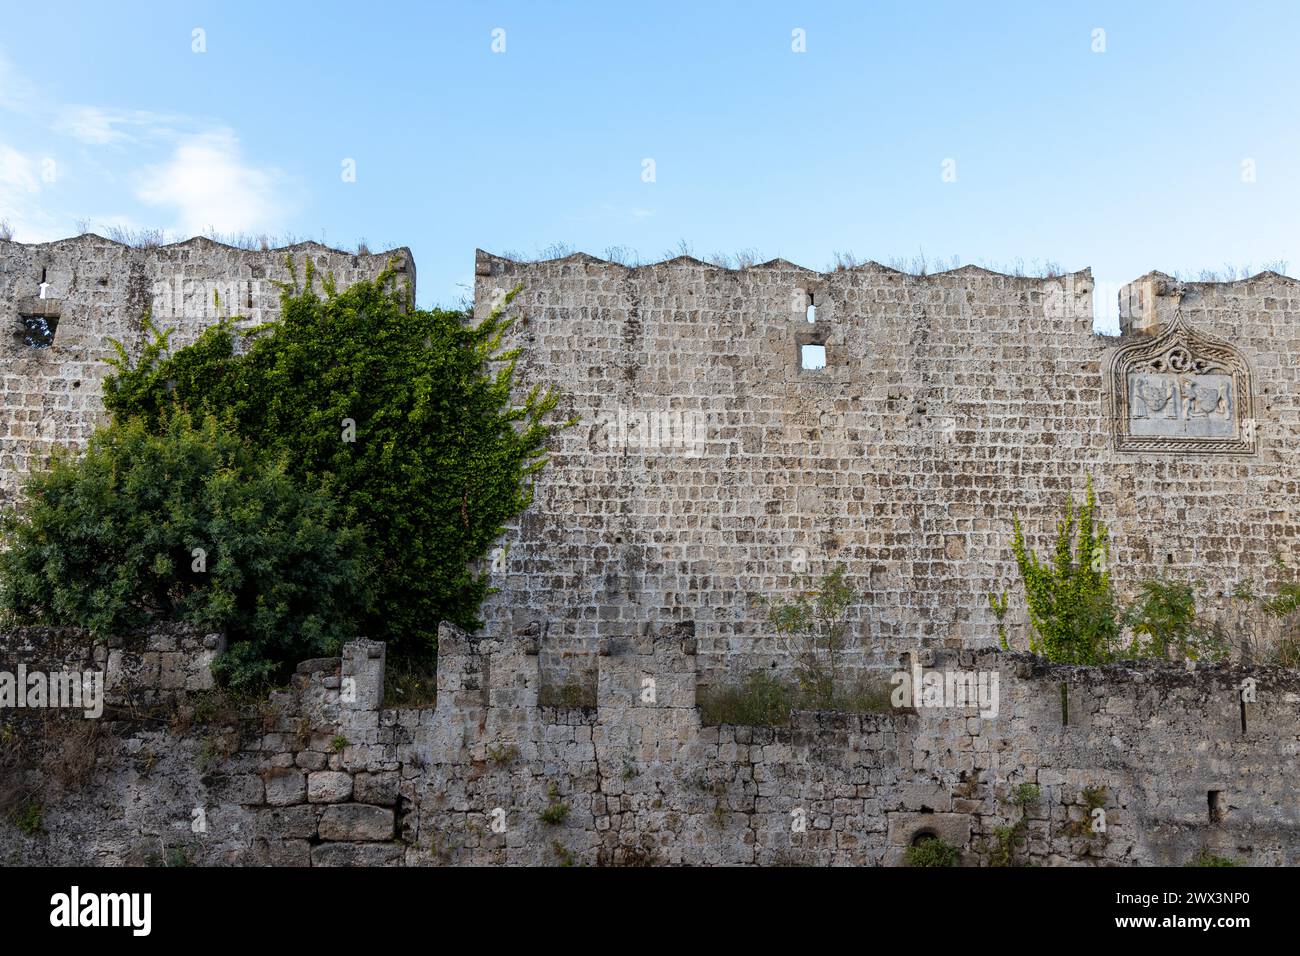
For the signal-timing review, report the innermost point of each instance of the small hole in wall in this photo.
(811, 314)
(1214, 798)
(812, 357)
(922, 836)
(1169, 559)
(76, 384)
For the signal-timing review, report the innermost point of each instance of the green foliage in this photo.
(556, 812)
(27, 818)
(999, 607)
(761, 700)
(440, 458)
(1071, 603)
(1094, 798)
(191, 524)
(1164, 624)
(1206, 858)
(764, 700)
(1008, 840)
(813, 626)
(1283, 606)
(1286, 652)
(932, 851)
(1026, 795)
(180, 856)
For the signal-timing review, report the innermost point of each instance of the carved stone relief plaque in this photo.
(1182, 391)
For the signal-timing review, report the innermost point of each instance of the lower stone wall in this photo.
(1133, 765)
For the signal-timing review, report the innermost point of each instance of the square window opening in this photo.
(812, 357)
(38, 330)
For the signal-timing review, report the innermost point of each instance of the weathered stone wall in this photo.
(89, 290)
(708, 465)
(156, 667)
(324, 774)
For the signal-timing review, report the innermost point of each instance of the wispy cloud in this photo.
(20, 194)
(208, 185)
(100, 126)
(17, 172)
(202, 182)
(627, 212)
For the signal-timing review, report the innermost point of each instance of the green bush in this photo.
(1206, 858)
(932, 851)
(187, 523)
(402, 416)
(1164, 623)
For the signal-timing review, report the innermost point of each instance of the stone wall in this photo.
(708, 465)
(1179, 762)
(62, 302)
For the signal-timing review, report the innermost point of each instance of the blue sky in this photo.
(1177, 148)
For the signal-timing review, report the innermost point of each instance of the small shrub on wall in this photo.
(931, 850)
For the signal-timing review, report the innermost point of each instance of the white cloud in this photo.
(20, 190)
(209, 186)
(16, 175)
(626, 212)
(204, 181)
(99, 126)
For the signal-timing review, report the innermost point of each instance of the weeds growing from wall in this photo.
(1206, 858)
(931, 850)
(764, 700)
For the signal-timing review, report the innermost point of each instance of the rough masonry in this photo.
(710, 466)
(1149, 765)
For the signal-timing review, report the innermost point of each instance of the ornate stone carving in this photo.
(1182, 391)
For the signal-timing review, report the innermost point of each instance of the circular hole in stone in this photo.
(923, 836)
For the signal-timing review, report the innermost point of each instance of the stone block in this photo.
(357, 822)
(329, 786)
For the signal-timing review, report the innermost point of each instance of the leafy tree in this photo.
(1071, 603)
(189, 524)
(813, 626)
(402, 416)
